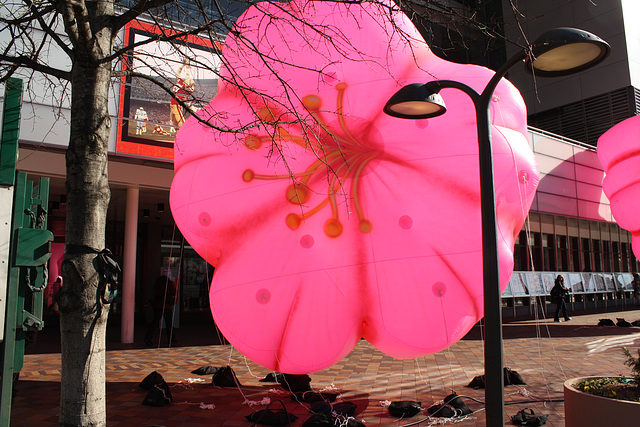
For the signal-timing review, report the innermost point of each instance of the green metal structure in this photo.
(29, 251)
(10, 131)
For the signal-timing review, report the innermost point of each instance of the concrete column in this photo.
(129, 264)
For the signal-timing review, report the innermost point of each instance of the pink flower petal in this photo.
(380, 235)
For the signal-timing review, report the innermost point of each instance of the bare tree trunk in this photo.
(83, 315)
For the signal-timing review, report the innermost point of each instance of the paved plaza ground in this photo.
(543, 352)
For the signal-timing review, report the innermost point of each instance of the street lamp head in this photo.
(558, 52)
(415, 101)
(564, 51)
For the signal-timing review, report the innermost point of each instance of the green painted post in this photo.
(29, 251)
(13, 336)
(10, 131)
(8, 159)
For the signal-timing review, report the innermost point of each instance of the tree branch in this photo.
(68, 18)
(28, 17)
(48, 28)
(25, 61)
(77, 23)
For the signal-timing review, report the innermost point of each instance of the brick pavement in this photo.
(543, 352)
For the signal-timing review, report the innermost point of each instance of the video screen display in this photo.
(149, 116)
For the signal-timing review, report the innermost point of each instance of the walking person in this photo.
(54, 297)
(558, 295)
(164, 298)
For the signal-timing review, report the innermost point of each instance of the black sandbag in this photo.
(320, 420)
(205, 370)
(150, 380)
(622, 323)
(313, 396)
(272, 417)
(510, 377)
(320, 407)
(225, 377)
(524, 418)
(159, 395)
(328, 420)
(441, 410)
(295, 383)
(458, 404)
(405, 408)
(346, 409)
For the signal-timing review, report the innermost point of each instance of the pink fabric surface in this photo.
(327, 220)
(619, 154)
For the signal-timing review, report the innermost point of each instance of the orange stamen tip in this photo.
(337, 150)
(333, 228)
(312, 102)
(365, 226)
(248, 175)
(266, 115)
(253, 142)
(293, 221)
(297, 193)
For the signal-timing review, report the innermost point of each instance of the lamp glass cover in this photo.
(416, 108)
(567, 57)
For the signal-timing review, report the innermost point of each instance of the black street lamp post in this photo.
(558, 52)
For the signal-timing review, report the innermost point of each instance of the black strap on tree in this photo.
(106, 266)
(109, 271)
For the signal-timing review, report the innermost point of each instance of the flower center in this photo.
(346, 149)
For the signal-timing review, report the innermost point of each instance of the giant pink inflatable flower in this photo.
(619, 154)
(327, 220)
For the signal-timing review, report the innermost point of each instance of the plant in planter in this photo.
(599, 401)
(634, 364)
(620, 387)
(611, 387)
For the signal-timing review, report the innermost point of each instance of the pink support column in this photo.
(128, 288)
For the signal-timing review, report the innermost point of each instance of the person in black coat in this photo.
(558, 295)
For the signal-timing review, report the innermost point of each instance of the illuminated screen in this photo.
(149, 115)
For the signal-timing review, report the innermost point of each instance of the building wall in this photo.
(605, 18)
(570, 227)
(631, 12)
(570, 179)
(146, 175)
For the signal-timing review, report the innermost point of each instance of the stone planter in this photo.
(584, 410)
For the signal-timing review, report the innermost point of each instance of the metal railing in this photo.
(528, 292)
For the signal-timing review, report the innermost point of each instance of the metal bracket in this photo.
(31, 322)
(33, 247)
